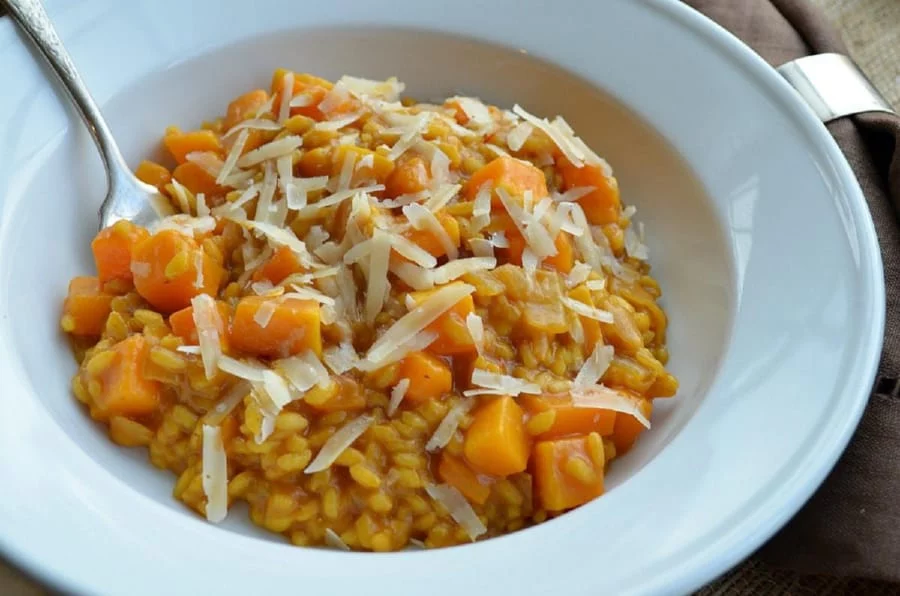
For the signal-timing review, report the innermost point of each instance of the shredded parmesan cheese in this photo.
(304, 371)
(334, 541)
(456, 269)
(214, 469)
(264, 313)
(582, 309)
(595, 366)
(250, 371)
(287, 94)
(508, 385)
(458, 508)
(378, 270)
(227, 404)
(233, 156)
(314, 210)
(340, 358)
(252, 124)
(207, 322)
(338, 443)
(415, 253)
(448, 425)
(415, 321)
(397, 395)
(518, 135)
(475, 326)
(578, 275)
(423, 219)
(571, 152)
(271, 150)
(604, 398)
(633, 245)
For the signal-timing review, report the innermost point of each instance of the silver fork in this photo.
(127, 197)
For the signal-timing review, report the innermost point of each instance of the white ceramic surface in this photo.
(758, 233)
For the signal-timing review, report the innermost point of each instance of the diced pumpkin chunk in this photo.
(112, 248)
(245, 107)
(429, 242)
(85, 308)
(512, 175)
(379, 170)
(152, 173)
(457, 474)
(408, 177)
(197, 180)
(125, 389)
(315, 162)
(602, 205)
(179, 144)
(182, 324)
(169, 269)
(281, 264)
(568, 419)
(293, 327)
(429, 376)
(568, 472)
(453, 334)
(627, 428)
(496, 442)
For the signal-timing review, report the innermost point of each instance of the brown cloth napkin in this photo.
(851, 526)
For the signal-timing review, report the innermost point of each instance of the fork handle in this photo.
(33, 20)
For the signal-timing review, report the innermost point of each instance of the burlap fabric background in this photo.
(814, 554)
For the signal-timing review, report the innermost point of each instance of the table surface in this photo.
(871, 30)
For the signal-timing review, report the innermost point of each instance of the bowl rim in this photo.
(705, 570)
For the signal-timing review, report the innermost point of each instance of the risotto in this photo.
(379, 323)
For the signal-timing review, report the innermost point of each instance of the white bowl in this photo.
(758, 233)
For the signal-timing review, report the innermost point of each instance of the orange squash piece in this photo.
(568, 419)
(295, 326)
(408, 177)
(179, 144)
(565, 474)
(429, 377)
(152, 173)
(281, 264)
(429, 242)
(125, 389)
(85, 308)
(244, 107)
(112, 248)
(350, 397)
(627, 428)
(315, 162)
(197, 180)
(510, 174)
(457, 474)
(601, 206)
(167, 268)
(496, 442)
(182, 324)
(379, 171)
(453, 334)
